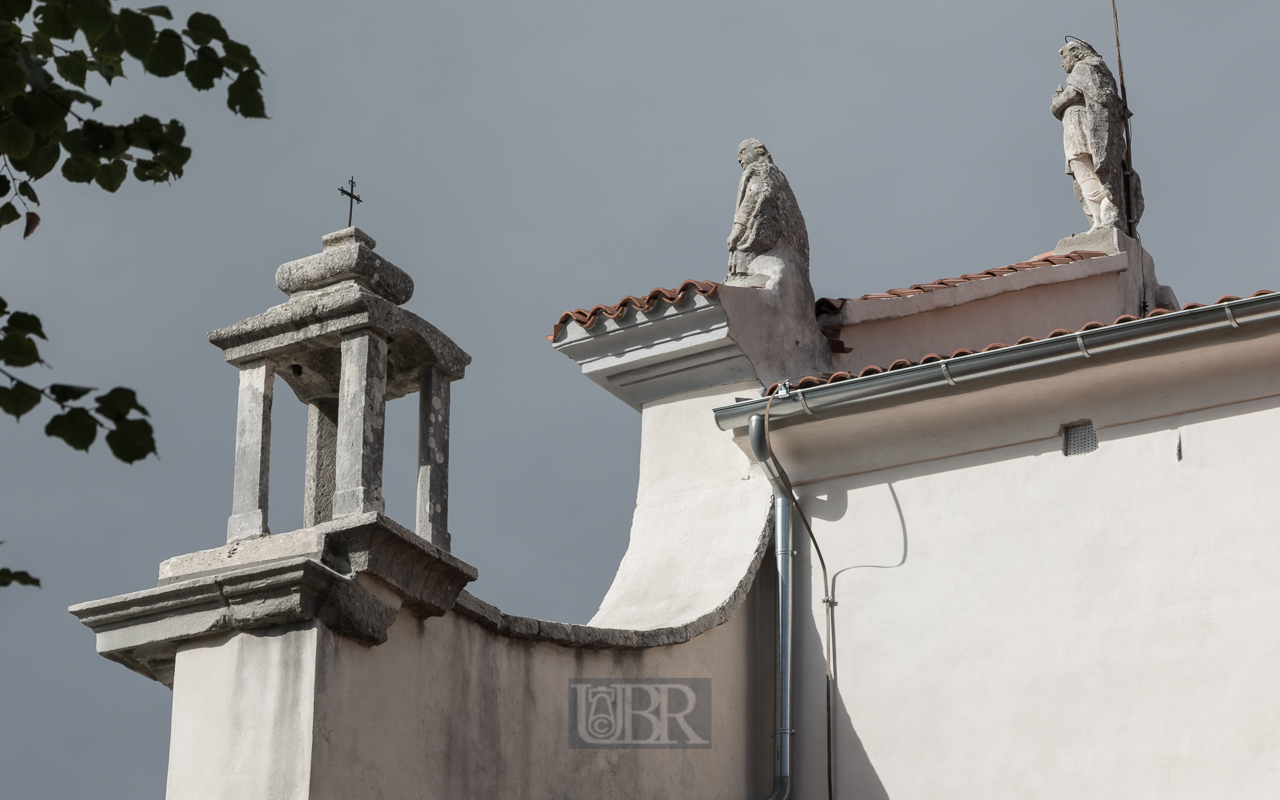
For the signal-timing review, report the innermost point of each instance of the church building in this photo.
(986, 536)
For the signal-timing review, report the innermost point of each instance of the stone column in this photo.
(322, 453)
(433, 458)
(253, 452)
(362, 397)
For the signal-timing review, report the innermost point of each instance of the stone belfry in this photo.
(345, 347)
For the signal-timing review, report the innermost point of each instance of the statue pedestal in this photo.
(1106, 240)
(1144, 291)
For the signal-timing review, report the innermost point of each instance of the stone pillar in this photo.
(253, 452)
(433, 458)
(322, 453)
(362, 397)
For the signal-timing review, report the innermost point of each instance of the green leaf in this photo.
(25, 324)
(73, 67)
(203, 28)
(91, 16)
(17, 350)
(40, 161)
(79, 97)
(54, 22)
(238, 57)
(80, 170)
(8, 213)
(39, 112)
(110, 66)
(13, 78)
(103, 141)
(64, 393)
(33, 222)
(167, 56)
(203, 70)
(5, 186)
(157, 11)
(111, 175)
(16, 139)
(116, 404)
(76, 427)
(24, 189)
(132, 440)
(20, 577)
(40, 45)
(18, 399)
(244, 96)
(14, 9)
(139, 32)
(4, 307)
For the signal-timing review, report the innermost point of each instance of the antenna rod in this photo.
(1130, 222)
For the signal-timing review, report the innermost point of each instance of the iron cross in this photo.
(353, 198)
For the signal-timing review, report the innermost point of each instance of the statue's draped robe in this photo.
(768, 211)
(1096, 128)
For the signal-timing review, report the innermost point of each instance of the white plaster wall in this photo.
(243, 711)
(449, 709)
(1097, 626)
(700, 513)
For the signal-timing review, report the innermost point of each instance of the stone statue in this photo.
(1093, 135)
(767, 221)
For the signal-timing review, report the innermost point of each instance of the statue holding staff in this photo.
(1093, 136)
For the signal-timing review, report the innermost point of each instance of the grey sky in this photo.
(520, 159)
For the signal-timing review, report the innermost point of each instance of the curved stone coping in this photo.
(567, 635)
(348, 255)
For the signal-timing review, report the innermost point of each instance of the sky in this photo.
(518, 160)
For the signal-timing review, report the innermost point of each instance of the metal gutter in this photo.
(1015, 358)
(782, 505)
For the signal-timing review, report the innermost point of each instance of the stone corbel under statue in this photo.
(767, 295)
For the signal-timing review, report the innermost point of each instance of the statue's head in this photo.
(1075, 51)
(753, 150)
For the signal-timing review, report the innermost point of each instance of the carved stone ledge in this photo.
(352, 574)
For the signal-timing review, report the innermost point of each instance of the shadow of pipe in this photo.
(854, 774)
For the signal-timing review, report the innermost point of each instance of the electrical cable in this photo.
(828, 586)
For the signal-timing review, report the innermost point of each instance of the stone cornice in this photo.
(352, 574)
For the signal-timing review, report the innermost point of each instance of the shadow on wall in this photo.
(852, 773)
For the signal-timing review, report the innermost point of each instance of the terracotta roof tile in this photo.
(588, 319)
(901, 363)
(829, 305)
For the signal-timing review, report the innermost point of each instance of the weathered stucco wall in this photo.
(448, 709)
(1100, 625)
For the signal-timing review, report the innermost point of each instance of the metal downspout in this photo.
(782, 549)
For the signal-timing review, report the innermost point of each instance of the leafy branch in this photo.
(38, 120)
(129, 438)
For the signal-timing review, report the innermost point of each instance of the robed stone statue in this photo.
(1093, 136)
(767, 221)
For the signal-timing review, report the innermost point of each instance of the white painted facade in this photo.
(1009, 621)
